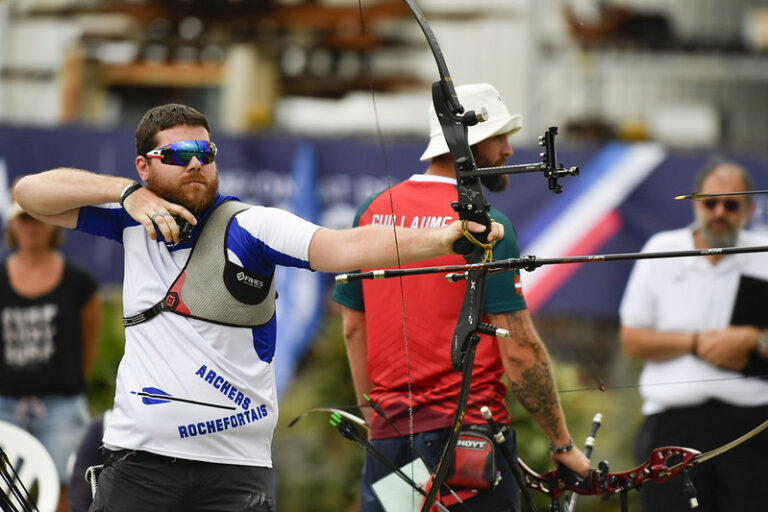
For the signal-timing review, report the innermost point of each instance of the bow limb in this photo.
(703, 457)
(471, 205)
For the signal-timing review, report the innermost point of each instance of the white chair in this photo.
(34, 468)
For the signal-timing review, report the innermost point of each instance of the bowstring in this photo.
(621, 387)
(385, 159)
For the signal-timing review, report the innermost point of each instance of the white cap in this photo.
(474, 97)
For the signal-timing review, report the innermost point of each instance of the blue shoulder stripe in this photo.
(104, 221)
(256, 255)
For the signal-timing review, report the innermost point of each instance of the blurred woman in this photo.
(50, 315)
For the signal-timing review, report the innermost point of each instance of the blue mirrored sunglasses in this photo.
(181, 152)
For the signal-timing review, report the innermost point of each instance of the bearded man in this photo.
(676, 315)
(418, 399)
(195, 402)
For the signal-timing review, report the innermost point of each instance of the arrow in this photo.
(153, 396)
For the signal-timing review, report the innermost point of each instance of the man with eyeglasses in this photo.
(676, 315)
(195, 404)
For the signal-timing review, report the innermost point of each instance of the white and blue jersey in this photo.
(189, 388)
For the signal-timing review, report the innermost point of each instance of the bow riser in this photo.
(471, 205)
(464, 336)
(664, 464)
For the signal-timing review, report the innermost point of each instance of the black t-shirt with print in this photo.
(41, 348)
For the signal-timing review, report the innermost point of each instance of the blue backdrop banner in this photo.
(623, 195)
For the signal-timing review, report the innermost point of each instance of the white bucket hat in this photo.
(474, 97)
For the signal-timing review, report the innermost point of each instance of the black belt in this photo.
(112, 456)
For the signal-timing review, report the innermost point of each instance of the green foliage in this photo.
(101, 381)
(317, 468)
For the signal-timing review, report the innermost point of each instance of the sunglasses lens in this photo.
(730, 205)
(181, 153)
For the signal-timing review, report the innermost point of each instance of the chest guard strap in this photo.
(212, 288)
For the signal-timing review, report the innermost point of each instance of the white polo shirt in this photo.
(689, 295)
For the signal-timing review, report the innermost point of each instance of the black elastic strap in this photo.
(144, 316)
(130, 189)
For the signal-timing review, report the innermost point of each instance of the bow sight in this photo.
(552, 169)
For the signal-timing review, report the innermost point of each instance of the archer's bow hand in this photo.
(454, 232)
(572, 461)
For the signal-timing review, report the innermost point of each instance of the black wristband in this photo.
(562, 449)
(130, 189)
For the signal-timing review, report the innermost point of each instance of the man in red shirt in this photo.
(404, 364)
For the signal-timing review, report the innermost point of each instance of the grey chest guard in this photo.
(213, 289)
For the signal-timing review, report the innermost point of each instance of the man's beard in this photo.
(714, 239)
(197, 202)
(497, 183)
(494, 183)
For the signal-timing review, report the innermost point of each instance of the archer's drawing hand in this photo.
(150, 210)
(453, 232)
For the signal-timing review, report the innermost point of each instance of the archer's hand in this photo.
(727, 348)
(150, 210)
(453, 232)
(574, 460)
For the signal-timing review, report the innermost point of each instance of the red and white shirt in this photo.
(409, 340)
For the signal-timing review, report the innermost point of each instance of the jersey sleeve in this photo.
(503, 290)
(106, 221)
(261, 238)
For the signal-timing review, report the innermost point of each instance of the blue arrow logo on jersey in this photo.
(151, 396)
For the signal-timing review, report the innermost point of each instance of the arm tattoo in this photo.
(536, 393)
(522, 334)
(535, 390)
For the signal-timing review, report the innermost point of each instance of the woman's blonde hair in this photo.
(57, 235)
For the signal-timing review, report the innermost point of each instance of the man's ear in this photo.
(142, 167)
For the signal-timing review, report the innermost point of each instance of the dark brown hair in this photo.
(162, 118)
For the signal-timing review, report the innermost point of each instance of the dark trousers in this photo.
(135, 481)
(733, 481)
(505, 497)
